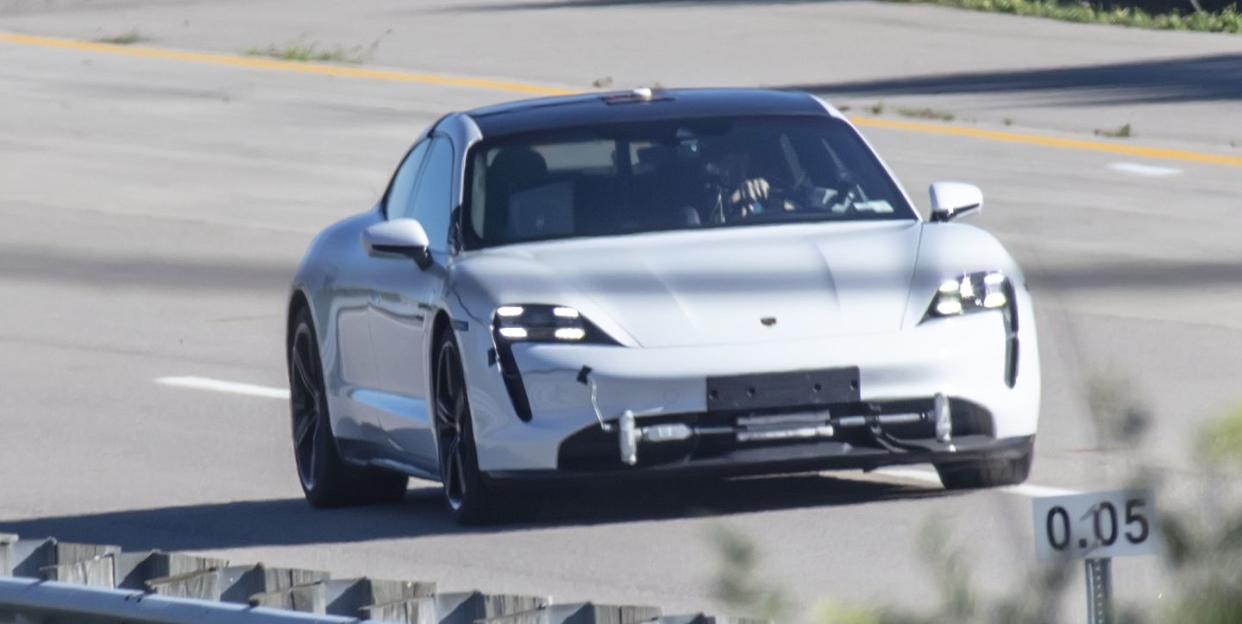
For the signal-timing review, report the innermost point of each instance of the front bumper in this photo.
(964, 359)
(788, 459)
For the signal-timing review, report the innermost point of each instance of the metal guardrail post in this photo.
(1099, 591)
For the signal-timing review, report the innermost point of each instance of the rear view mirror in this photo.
(952, 200)
(398, 237)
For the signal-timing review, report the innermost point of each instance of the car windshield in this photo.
(673, 175)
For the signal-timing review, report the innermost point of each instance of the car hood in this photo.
(726, 286)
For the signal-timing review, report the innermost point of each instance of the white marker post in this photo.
(1096, 526)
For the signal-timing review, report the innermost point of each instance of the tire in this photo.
(327, 481)
(986, 473)
(469, 497)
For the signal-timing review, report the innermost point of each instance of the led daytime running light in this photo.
(540, 323)
(972, 292)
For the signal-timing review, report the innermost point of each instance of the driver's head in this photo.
(765, 159)
(747, 156)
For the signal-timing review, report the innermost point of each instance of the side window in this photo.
(402, 188)
(433, 197)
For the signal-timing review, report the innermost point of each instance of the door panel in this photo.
(400, 314)
(399, 322)
(345, 333)
(365, 385)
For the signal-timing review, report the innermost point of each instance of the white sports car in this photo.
(668, 283)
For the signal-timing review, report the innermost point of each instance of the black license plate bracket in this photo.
(796, 389)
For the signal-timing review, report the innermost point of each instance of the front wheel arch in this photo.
(440, 325)
(298, 302)
(471, 499)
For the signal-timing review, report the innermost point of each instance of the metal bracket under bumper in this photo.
(796, 426)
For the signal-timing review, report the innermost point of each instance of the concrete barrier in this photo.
(233, 583)
(453, 608)
(348, 597)
(580, 613)
(135, 570)
(52, 560)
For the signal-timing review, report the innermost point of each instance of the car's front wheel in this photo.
(985, 473)
(327, 481)
(467, 493)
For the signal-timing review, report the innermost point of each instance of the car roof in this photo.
(589, 109)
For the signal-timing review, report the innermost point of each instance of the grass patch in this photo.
(310, 52)
(876, 109)
(925, 113)
(128, 38)
(1228, 20)
(1123, 132)
(1221, 441)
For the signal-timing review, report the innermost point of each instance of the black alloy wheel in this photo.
(465, 491)
(327, 481)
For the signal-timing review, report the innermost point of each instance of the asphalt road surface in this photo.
(152, 211)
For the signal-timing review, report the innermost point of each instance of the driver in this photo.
(763, 177)
(758, 176)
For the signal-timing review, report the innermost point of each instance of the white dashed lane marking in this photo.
(1144, 170)
(230, 387)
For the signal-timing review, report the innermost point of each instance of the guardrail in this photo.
(51, 581)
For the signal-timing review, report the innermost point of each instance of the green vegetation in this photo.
(1221, 443)
(925, 113)
(128, 38)
(1226, 20)
(878, 109)
(1123, 132)
(736, 585)
(309, 51)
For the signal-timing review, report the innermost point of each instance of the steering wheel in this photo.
(757, 196)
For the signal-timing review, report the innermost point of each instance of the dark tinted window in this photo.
(401, 191)
(698, 173)
(433, 197)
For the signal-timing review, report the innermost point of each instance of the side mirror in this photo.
(398, 237)
(951, 200)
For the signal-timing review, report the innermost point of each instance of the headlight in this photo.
(973, 292)
(528, 322)
(545, 323)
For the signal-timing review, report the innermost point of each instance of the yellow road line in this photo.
(1137, 151)
(248, 62)
(320, 69)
